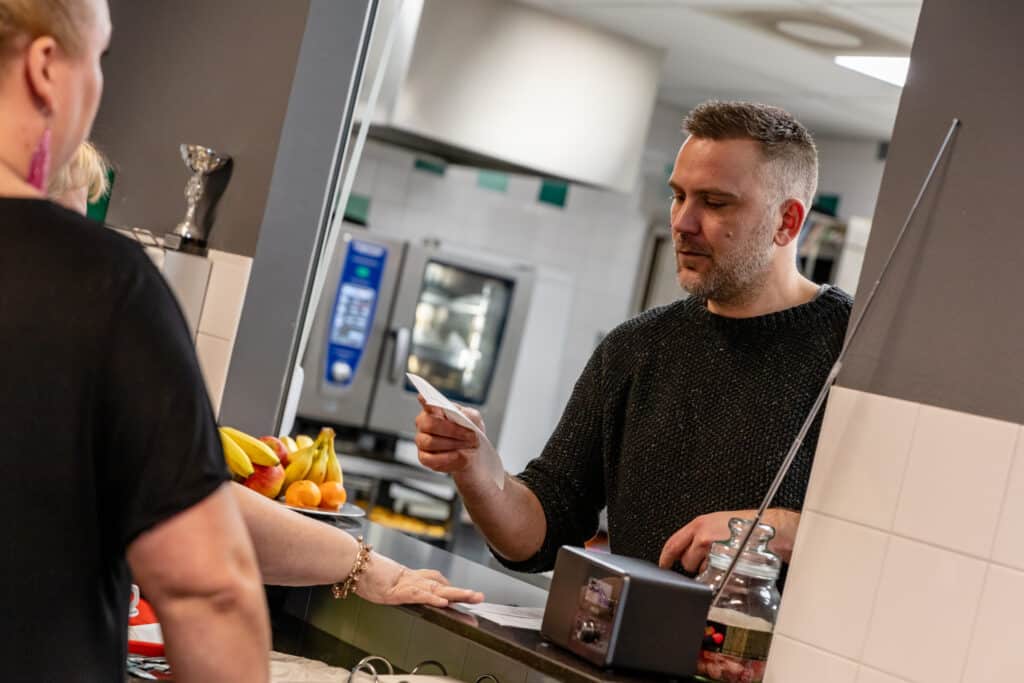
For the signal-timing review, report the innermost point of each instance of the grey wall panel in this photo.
(946, 328)
(294, 223)
(213, 73)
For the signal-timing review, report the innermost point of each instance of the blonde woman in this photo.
(112, 460)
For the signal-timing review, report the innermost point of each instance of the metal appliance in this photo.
(399, 307)
(624, 613)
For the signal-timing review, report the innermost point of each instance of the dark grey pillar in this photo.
(295, 220)
(947, 328)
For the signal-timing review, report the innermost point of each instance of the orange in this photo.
(333, 495)
(303, 494)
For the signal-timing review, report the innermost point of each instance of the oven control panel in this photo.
(355, 305)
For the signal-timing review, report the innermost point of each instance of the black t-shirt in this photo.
(105, 431)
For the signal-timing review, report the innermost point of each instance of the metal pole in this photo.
(834, 372)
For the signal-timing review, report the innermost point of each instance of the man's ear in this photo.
(793, 214)
(42, 53)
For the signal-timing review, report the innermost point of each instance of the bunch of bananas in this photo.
(316, 461)
(242, 451)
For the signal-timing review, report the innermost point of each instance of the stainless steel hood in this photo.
(504, 85)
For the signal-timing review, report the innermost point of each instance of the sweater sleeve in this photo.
(568, 478)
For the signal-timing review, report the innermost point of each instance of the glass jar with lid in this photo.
(742, 619)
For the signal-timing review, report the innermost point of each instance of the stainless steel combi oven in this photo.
(396, 307)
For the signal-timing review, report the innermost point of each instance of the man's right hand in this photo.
(445, 446)
(511, 518)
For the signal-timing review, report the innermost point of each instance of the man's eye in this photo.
(713, 204)
(676, 197)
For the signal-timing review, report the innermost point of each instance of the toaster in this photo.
(624, 613)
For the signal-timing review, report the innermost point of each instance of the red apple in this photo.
(266, 480)
(276, 445)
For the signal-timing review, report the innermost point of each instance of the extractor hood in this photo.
(504, 85)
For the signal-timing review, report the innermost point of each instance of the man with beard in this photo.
(683, 414)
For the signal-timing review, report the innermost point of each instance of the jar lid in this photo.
(756, 561)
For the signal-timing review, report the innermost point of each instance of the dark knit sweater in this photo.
(681, 412)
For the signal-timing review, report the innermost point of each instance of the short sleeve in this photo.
(568, 477)
(160, 450)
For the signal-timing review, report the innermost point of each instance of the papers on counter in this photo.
(489, 458)
(507, 615)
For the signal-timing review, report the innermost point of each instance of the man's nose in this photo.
(684, 220)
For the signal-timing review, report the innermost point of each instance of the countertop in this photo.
(522, 645)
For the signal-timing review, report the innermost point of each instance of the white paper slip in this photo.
(489, 458)
(507, 615)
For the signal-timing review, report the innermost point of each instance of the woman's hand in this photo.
(387, 582)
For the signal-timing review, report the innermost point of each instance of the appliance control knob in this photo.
(341, 371)
(588, 631)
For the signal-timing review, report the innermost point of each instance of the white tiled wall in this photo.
(909, 563)
(789, 658)
(595, 240)
(218, 322)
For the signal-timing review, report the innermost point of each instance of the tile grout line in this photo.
(857, 663)
(874, 602)
(818, 445)
(819, 648)
(1014, 464)
(970, 556)
(906, 466)
(229, 340)
(974, 622)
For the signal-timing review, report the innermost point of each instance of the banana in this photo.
(289, 443)
(259, 453)
(302, 441)
(318, 469)
(298, 466)
(333, 466)
(235, 457)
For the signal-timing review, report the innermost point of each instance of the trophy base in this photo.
(188, 245)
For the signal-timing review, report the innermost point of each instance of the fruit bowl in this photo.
(346, 510)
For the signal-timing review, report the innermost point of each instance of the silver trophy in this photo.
(202, 161)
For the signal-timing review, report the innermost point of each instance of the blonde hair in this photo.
(87, 168)
(31, 19)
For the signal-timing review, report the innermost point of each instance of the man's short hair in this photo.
(787, 146)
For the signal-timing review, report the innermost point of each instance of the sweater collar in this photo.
(826, 303)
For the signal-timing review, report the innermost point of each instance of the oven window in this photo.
(457, 334)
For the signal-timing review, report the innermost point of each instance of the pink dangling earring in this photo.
(39, 167)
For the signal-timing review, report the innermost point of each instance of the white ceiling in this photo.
(711, 56)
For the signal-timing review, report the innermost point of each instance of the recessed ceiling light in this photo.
(818, 33)
(889, 69)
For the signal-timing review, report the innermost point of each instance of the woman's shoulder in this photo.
(62, 232)
(72, 254)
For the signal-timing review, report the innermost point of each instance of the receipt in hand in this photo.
(489, 459)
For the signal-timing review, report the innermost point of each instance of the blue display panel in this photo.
(354, 307)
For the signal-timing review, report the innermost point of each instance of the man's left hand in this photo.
(690, 544)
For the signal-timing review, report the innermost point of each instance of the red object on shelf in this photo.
(148, 641)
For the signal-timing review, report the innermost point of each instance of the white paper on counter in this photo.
(507, 615)
(489, 458)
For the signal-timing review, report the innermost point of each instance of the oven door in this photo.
(457, 323)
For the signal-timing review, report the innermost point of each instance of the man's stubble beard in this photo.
(737, 278)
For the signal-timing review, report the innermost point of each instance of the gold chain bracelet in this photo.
(343, 589)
